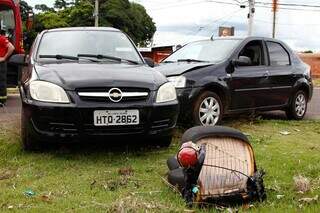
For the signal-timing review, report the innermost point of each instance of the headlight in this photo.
(178, 81)
(48, 92)
(166, 93)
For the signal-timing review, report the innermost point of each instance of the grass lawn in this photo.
(87, 179)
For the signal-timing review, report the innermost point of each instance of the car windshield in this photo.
(206, 51)
(103, 45)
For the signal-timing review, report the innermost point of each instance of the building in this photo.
(313, 59)
(157, 54)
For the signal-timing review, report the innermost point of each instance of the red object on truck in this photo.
(11, 27)
(11, 23)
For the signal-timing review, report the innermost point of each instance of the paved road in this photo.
(11, 112)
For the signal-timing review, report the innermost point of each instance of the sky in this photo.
(182, 21)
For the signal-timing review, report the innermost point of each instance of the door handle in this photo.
(266, 74)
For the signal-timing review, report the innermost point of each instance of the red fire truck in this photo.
(11, 26)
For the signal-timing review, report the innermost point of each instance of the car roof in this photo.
(248, 38)
(84, 29)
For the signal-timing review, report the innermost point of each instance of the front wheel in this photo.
(298, 106)
(28, 141)
(208, 109)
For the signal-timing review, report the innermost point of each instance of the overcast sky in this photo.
(181, 21)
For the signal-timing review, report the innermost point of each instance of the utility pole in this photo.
(274, 10)
(96, 13)
(250, 16)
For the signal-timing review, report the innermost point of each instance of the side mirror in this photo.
(149, 61)
(242, 61)
(18, 59)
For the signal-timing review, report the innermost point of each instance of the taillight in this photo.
(188, 155)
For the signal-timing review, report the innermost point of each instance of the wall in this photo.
(313, 59)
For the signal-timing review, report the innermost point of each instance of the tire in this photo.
(211, 102)
(298, 106)
(173, 163)
(164, 141)
(176, 178)
(28, 142)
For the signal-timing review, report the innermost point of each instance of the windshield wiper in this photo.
(166, 62)
(60, 57)
(190, 60)
(98, 56)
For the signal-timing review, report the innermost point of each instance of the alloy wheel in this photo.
(209, 111)
(300, 105)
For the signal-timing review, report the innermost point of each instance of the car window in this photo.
(74, 42)
(254, 51)
(278, 55)
(209, 50)
(7, 22)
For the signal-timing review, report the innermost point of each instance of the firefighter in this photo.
(6, 49)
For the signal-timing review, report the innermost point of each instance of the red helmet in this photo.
(188, 155)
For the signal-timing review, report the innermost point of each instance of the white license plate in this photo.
(116, 117)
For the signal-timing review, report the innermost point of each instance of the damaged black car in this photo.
(223, 76)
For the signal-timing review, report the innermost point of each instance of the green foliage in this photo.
(43, 8)
(60, 4)
(127, 16)
(79, 15)
(131, 18)
(51, 20)
(25, 9)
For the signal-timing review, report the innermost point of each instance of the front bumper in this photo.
(73, 122)
(186, 98)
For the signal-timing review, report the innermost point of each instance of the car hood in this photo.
(81, 75)
(172, 69)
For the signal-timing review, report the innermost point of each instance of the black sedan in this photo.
(238, 75)
(88, 83)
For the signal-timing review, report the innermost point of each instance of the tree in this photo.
(60, 4)
(25, 8)
(50, 20)
(43, 8)
(127, 16)
(81, 14)
(131, 18)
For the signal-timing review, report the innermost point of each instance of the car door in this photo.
(250, 85)
(280, 73)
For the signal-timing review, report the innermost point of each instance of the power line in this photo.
(223, 2)
(290, 4)
(226, 21)
(287, 8)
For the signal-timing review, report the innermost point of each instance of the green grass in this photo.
(87, 179)
(316, 82)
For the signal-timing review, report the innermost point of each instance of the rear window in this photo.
(278, 55)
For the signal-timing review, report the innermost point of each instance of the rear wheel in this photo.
(29, 142)
(298, 106)
(208, 109)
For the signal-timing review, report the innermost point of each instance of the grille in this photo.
(102, 94)
(158, 125)
(226, 168)
(113, 130)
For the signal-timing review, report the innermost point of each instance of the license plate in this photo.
(116, 117)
